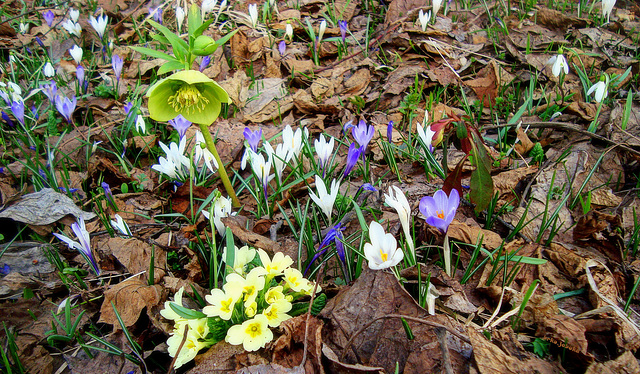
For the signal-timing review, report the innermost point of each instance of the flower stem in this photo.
(594, 124)
(223, 173)
(447, 255)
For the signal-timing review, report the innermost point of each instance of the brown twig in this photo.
(184, 340)
(400, 316)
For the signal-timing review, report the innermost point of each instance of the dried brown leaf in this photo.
(129, 298)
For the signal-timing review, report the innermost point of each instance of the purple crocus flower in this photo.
(107, 191)
(116, 63)
(84, 245)
(6, 269)
(7, 119)
(347, 126)
(440, 209)
(156, 13)
(362, 134)
(253, 138)
(352, 158)
(282, 47)
(343, 29)
(17, 108)
(5, 96)
(368, 187)
(127, 107)
(49, 17)
(39, 41)
(34, 112)
(180, 124)
(65, 106)
(390, 131)
(50, 89)
(80, 76)
(206, 60)
(334, 235)
(70, 190)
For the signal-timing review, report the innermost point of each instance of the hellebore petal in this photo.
(190, 93)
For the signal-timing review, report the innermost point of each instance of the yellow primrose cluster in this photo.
(253, 299)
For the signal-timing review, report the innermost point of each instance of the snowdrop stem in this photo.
(447, 255)
(223, 173)
(594, 124)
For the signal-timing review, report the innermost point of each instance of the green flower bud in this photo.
(204, 46)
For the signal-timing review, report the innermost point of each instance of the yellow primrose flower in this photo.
(167, 312)
(242, 257)
(252, 334)
(191, 345)
(295, 280)
(251, 310)
(251, 285)
(190, 93)
(274, 294)
(223, 302)
(276, 312)
(276, 266)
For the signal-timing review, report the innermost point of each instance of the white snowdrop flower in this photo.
(436, 7)
(221, 209)
(600, 89)
(426, 136)
(48, 70)
(202, 152)
(76, 53)
(559, 64)
(24, 28)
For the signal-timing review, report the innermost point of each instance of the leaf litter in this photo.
(585, 272)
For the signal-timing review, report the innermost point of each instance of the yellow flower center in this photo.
(384, 256)
(440, 214)
(226, 305)
(253, 330)
(188, 99)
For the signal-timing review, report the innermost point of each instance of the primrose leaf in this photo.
(186, 312)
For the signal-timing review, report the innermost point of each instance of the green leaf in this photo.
(186, 312)
(524, 260)
(160, 39)
(481, 183)
(170, 66)
(407, 329)
(180, 47)
(194, 21)
(155, 54)
(203, 27)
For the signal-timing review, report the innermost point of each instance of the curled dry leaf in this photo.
(129, 298)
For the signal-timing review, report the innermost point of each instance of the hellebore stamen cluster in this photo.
(188, 98)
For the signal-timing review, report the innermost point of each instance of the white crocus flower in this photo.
(600, 89)
(262, 170)
(399, 202)
(253, 15)
(207, 6)
(436, 7)
(99, 24)
(76, 53)
(74, 14)
(24, 28)
(179, 17)
(48, 70)
(432, 295)
(426, 136)
(424, 18)
(382, 252)
(203, 152)
(288, 32)
(140, 125)
(325, 199)
(607, 7)
(167, 167)
(175, 152)
(221, 209)
(323, 27)
(278, 157)
(324, 150)
(559, 64)
(120, 225)
(72, 27)
(83, 245)
(292, 142)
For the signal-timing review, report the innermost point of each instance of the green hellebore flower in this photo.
(190, 93)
